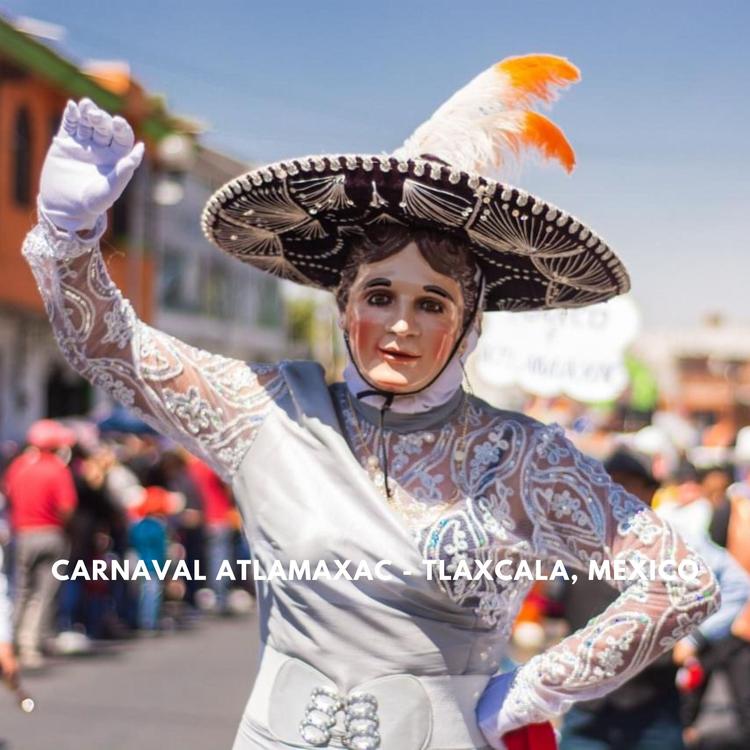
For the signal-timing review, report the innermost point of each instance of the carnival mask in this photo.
(402, 319)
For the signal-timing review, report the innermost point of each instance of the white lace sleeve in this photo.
(211, 404)
(578, 515)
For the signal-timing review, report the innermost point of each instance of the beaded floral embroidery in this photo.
(523, 491)
(210, 403)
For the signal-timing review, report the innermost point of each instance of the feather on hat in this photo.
(490, 119)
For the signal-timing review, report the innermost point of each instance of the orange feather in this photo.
(537, 76)
(490, 118)
(544, 135)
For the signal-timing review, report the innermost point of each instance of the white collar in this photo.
(437, 394)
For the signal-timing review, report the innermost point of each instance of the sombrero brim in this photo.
(296, 219)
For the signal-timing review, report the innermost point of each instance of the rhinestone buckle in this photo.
(360, 720)
(320, 716)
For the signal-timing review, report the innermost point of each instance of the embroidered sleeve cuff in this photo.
(524, 704)
(48, 241)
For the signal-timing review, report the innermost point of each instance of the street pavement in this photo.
(179, 691)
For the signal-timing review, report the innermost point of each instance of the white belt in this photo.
(300, 706)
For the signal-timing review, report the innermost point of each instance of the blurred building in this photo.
(35, 82)
(703, 370)
(205, 297)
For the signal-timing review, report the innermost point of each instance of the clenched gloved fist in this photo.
(88, 166)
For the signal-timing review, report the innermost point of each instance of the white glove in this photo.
(88, 165)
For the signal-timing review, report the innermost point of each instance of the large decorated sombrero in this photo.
(298, 218)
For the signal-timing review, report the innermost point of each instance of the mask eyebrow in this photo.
(439, 291)
(380, 281)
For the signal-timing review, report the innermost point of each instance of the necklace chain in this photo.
(374, 469)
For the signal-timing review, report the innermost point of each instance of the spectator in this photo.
(714, 643)
(715, 481)
(171, 473)
(42, 497)
(120, 482)
(148, 537)
(730, 526)
(97, 526)
(217, 507)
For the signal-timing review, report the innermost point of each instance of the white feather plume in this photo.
(489, 120)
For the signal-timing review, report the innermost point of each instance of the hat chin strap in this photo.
(389, 396)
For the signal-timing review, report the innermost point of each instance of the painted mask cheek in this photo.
(442, 339)
(363, 333)
(441, 346)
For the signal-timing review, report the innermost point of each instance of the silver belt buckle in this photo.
(321, 723)
(301, 705)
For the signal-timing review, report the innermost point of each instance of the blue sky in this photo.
(659, 121)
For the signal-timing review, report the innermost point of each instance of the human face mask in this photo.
(402, 319)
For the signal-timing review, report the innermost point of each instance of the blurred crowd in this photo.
(95, 499)
(696, 475)
(73, 492)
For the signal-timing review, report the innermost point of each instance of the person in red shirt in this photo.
(217, 505)
(42, 496)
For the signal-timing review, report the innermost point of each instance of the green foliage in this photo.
(301, 321)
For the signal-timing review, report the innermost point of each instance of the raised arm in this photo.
(211, 404)
(579, 515)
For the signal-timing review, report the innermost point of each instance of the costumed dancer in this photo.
(398, 463)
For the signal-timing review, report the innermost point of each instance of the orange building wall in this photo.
(17, 287)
